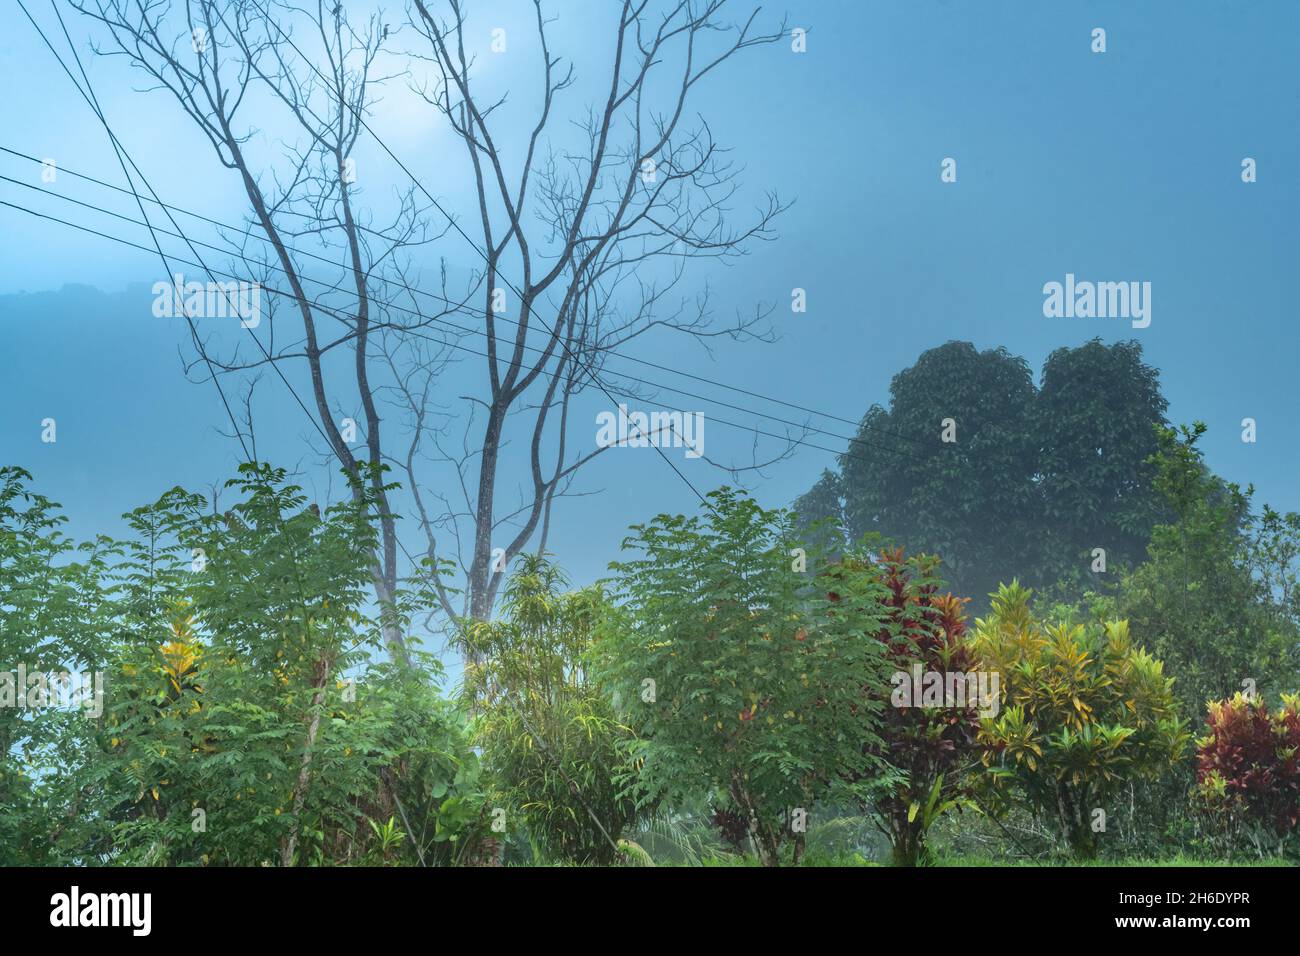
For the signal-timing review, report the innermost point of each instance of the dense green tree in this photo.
(550, 742)
(971, 500)
(1035, 479)
(742, 673)
(1095, 419)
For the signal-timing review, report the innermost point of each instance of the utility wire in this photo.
(124, 157)
(453, 345)
(455, 225)
(451, 221)
(93, 103)
(460, 328)
(443, 299)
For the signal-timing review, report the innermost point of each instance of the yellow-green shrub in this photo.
(1083, 712)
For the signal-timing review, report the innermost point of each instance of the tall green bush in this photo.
(1084, 711)
(550, 741)
(242, 720)
(742, 671)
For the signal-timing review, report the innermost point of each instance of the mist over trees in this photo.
(1035, 478)
(1020, 600)
(587, 219)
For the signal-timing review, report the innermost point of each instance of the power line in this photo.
(453, 345)
(443, 299)
(464, 329)
(94, 105)
(89, 96)
(261, 237)
(452, 222)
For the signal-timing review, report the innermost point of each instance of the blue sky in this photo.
(1116, 166)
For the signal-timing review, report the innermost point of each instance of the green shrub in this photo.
(230, 734)
(1083, 712)
(743, 674)
(549, 738)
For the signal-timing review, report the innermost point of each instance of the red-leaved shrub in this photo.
(932, 746)
(1248, 768)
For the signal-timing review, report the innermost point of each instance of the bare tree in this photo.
(568, 238)
(211, 55)
(585, 241)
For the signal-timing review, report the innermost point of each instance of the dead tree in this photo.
(213, 56)
(583, 250)
(586, 246)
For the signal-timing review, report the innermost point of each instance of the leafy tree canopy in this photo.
(742, 672)
(1034, 478)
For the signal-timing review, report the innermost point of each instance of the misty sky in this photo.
(1117, 166)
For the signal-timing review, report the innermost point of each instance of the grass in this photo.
(1174, 861)
(856, 860)
(813, 859)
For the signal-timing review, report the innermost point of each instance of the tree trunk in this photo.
(481, 571)
(765, 842)
(1075, 825)
(304, 770)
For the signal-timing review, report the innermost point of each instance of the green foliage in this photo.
(1215, 599)
(820, 514)
(549, 738)
(1083, 711)
(228, 733)
(389, 837)
(676, 837)
(1036, 478)
(420, 753)
(1095, 420)
(968, 501)
(721, 697)
(53, 617)
(741, 673)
